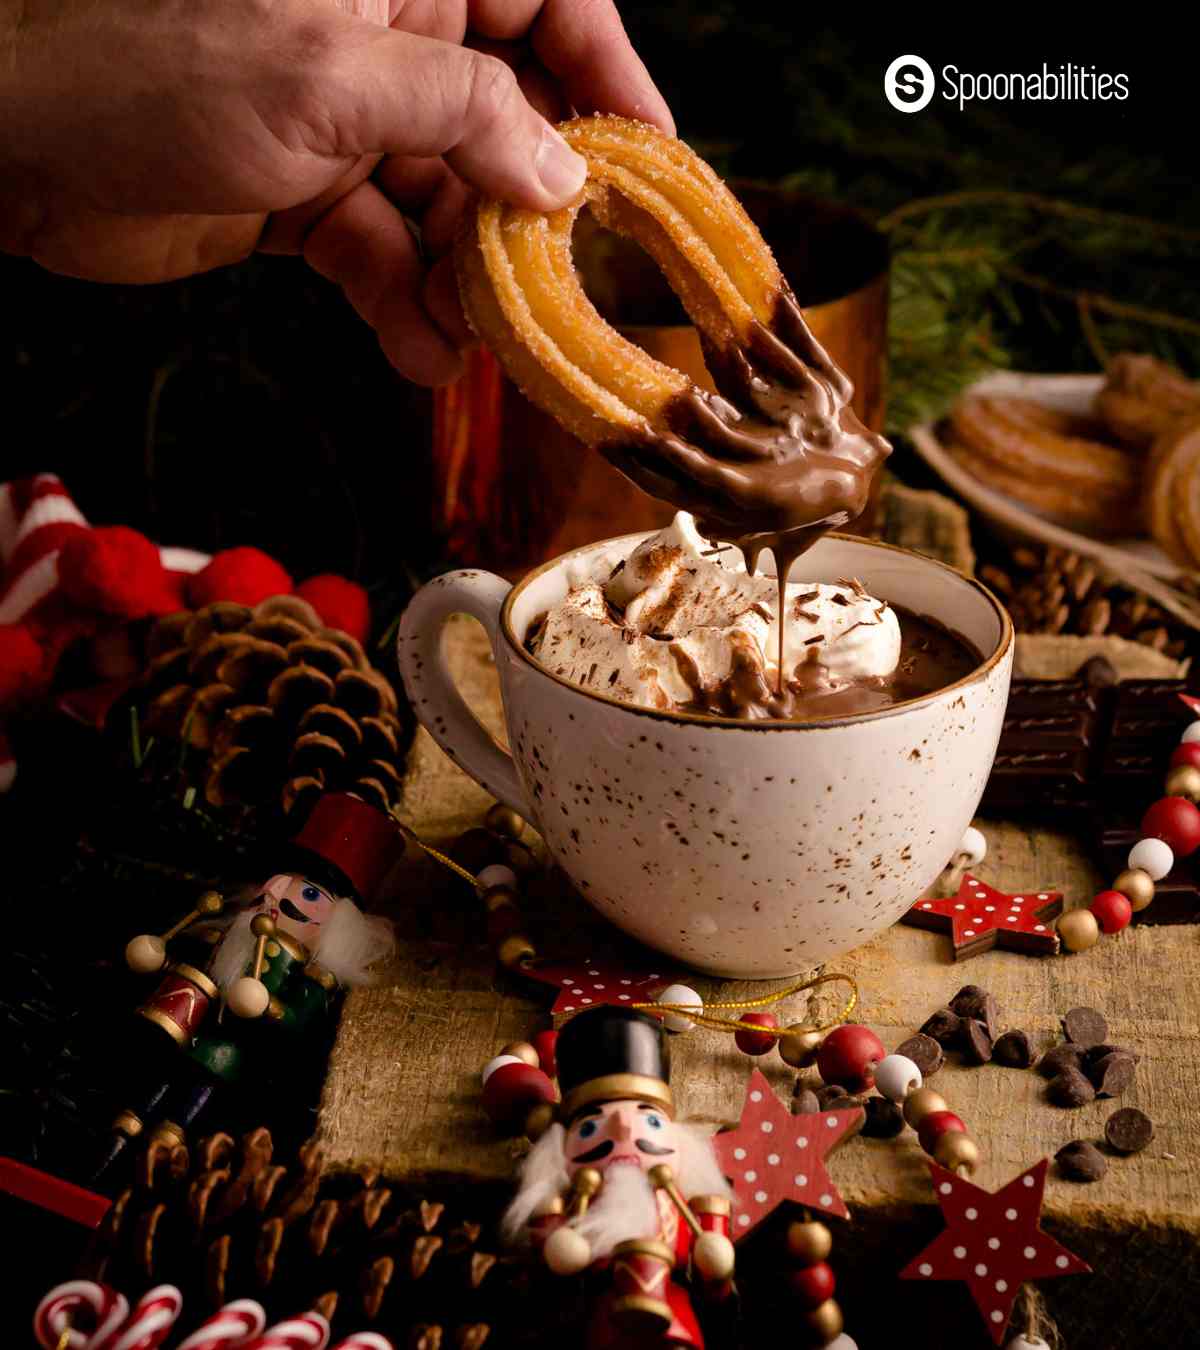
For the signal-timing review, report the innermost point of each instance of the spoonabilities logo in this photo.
(908, 83)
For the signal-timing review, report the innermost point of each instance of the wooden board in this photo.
(402, 1091)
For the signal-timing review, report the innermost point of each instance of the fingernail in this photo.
(560, 169)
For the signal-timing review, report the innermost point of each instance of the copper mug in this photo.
(512, 488)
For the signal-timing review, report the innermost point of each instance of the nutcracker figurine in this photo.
(243, 999)
(618, 1185)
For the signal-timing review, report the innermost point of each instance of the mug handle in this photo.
(434, 696)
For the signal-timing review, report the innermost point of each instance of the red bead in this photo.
(756, 1042)
(1176, 822)
(545, 1043)
(848, 1057)
(1187, 753)
(1112, 910)
(932, 1127)
(511, 1090)
(813, 1284)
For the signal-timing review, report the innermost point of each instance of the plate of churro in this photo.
(1105, 465)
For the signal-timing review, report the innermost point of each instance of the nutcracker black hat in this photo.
(609, 1054)
(357, 843)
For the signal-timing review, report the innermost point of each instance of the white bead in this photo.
(1153, 856)
(498, 1063)
(974, 845)
(145, 954)
(497, 875)
(1191, 732)
(1024, 1343)
(566, 1253)
(713, 1255)
(248, 997)
(679, 993)
(843, 1342)
(896, 1076)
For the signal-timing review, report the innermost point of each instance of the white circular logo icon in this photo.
(908, 83)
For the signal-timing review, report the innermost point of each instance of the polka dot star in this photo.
(583, 984)
(992, 1243)
(980, 917)
(771, 1156)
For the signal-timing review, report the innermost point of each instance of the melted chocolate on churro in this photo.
(774, 460)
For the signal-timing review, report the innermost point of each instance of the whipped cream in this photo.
(681, 621)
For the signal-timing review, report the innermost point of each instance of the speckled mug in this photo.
(743, 849)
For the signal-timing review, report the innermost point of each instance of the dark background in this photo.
(253, 406)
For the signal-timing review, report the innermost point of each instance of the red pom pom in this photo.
(510, 1092)
(1112, 910)
(936, 1124)
(546, 1044)
(756, 1042)
(813, 1284)
(340, 603)
(244, 575)
(21, 659)
(847, 1057)
(1187, 753)
(1176, 822)
(117, 571)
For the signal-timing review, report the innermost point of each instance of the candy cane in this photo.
(232, 1327)
(309, 1331)
(153, 1316)
(107, 1308)
(361, 1340)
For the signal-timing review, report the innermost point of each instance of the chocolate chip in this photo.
(972, 1001)
(1081, 1161)
(1013, 1050)
(1111, 1074)
(1097, 1052)
(804, 1102)
(1085, 1027)
(884, 1118)
(942, 1027)
(1128, 1130)
(976, 1042)
(835, 1096)
(1071, 1088)
(966, 999)
(1060, 1057)
(1099, 672)
(924, 1052)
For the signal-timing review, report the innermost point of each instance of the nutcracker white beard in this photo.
(626, 1206)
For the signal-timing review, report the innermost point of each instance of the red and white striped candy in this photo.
(364, 1340)
(309, 1331)
(106, 1309)
(231, 1327)
(154, 1314)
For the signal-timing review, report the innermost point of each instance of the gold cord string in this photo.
(438, 856)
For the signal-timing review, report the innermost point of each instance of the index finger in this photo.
(584, 44)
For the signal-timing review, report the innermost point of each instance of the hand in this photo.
(142, 140)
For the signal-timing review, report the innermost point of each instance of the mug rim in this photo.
(977, 675)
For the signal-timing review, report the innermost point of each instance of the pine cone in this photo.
(229, 1220)
(1053, 591)
(276, 707)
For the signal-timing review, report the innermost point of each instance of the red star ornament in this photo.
(992, 1242)
(1191, 704)
(772, 1156)
(583, 984)
(980, 917)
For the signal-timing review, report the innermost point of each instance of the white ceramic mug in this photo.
(748, 849)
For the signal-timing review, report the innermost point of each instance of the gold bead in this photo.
(1136, 886)
(262, 925)
(520, 858)
(538, 1121)
(522, 1050)
(825, 1321)
(497, 897)
(1184, 781)
(809, 1242)
(514, 950)
(504, 820)
(587, 1181)
(924, 1102)
(1078, 930)
(954, 1150)
(211, 902)
(799, 1045)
